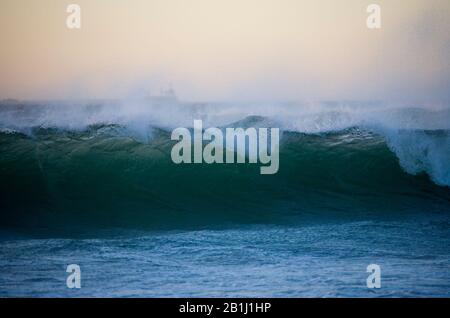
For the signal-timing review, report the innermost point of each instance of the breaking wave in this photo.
(111, 168)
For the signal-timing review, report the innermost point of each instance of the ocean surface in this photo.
(93, 184)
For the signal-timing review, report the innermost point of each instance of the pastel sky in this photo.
(226, 49)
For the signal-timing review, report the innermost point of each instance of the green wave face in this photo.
(103, 177)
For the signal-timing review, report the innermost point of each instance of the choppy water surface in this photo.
(327, 260)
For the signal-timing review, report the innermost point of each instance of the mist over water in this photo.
(87, 176)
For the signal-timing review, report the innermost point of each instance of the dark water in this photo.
(139, 225)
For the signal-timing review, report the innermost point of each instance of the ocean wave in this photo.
(107, 175)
